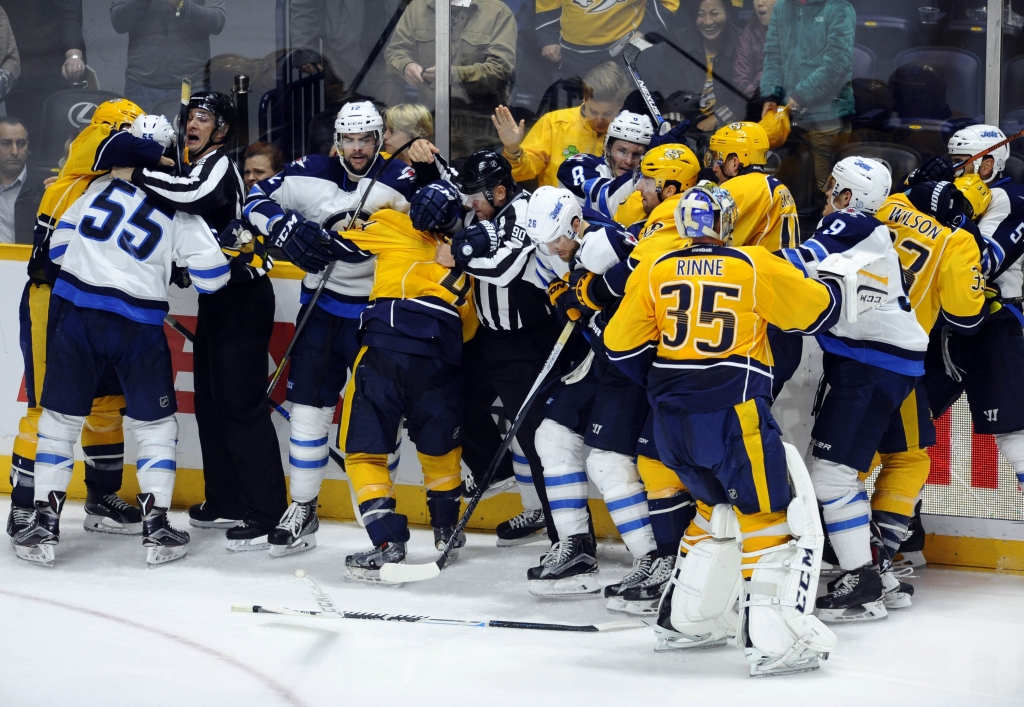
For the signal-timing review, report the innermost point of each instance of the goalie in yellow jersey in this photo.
(691, 328)
(115, 137)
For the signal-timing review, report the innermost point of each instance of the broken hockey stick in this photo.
(189, 336)
(629, 54)
(327, 273)
(181, 148)
(398, 573)
(330, 610)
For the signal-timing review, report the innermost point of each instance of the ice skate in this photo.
(911, 550)
(162, 542)
(441, 538)
(37, 541)
(199, 516)
(642, 599)
(856, 596)
(898, 594)
(568, 569)
(469, 486)
(18, 518)
(247, 537)
(365, 566)
(109, 514)
(641, 571)
(523, 529)
(296, 531)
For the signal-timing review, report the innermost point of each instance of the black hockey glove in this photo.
(940, 199)
(478, 240)
(675, 135)
(302, 241)
(563, 299)
(937, 169)
(436, 207)
(180, 277)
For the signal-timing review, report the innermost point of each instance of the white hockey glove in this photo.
(863, 277)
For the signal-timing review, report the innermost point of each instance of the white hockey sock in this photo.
(561, 452)
(55, 455)
(156, 465)
(307, 450)
(524, 478)
(847, 511)
(615, 475)
(1011, 446)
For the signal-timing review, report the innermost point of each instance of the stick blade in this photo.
(401, 573)
(620, 625)
(636, 45)
(186, 91)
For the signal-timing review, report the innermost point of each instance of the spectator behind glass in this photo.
(18, 202)
(51, 49)
(711, 40)
(483, 52)
(10, 64)
(168, 40)
(349, 29)
(750, 49)
(404, 122)
(808, 64)
(563, 133)
(262, 160)
(577, 36)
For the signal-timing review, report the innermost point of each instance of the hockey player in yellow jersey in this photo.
(561, 134)
(691, 328)
(103, 144)
(409, 367)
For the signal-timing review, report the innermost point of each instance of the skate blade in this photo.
(897, 601)
(534, 537)
(368, 577)
(616, 603)
(828, 570)
(678, 644)
(872, 611)
(804, 666)
(499, 487)
(306, 542)
(642, 608)
(580, 585)
(259, 544)
(43, 555)
(162, 554)
(102, 524)
(219, 524)
(910, 559)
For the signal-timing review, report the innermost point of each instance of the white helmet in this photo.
(867, 179)
(972, 140)
(550, 215)
(153, 127)
(356, 118)
(631, 127)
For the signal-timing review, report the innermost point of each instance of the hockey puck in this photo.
(300, 573)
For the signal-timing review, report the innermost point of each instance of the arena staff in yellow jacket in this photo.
(692, 329)
(561, 134)
(409, 366)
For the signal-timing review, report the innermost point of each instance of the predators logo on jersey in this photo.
(593, 23)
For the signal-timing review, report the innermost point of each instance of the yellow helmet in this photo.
(977, 193)
(748, 141)
(118, 112)
(671, 162)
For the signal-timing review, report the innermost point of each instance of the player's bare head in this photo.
(627, 140)
(554, 220)
(358, 136)
(664, 172)
(604, 89)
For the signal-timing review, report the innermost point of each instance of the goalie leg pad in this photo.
(561, 452)
(616, 477)
(307, 450)
(55, 453)
(157, 463)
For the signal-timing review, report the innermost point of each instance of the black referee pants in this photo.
(241, 457)
(504, 364)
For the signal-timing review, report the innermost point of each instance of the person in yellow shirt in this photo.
(561, 134)
(691, 329)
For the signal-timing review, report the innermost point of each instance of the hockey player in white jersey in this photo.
(873, 359)
(116, 247)
(318, 193)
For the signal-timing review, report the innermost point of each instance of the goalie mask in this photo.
(706, 211)
(360, 124)
(550, 216)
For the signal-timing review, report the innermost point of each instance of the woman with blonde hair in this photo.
(404, 122)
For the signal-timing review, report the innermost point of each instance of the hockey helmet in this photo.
(672, 162)
(748, 141)
(976, 193)
(550, 215)
(631, 127)
(356, 118)
(118, 113)
(154, 127)
(776, 125)
(482, 172)
(219, 104)
(972, 140)
(868, 181)
(706, 210)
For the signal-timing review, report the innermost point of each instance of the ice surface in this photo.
(101, 629)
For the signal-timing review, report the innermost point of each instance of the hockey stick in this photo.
(189, 336)
(629, 54)
(327, 273)
(656, 38)
(181, 149)
(398, 573)
(375, 52)
(989, 150)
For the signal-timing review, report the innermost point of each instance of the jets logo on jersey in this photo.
(407, 173)
(595, 6)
